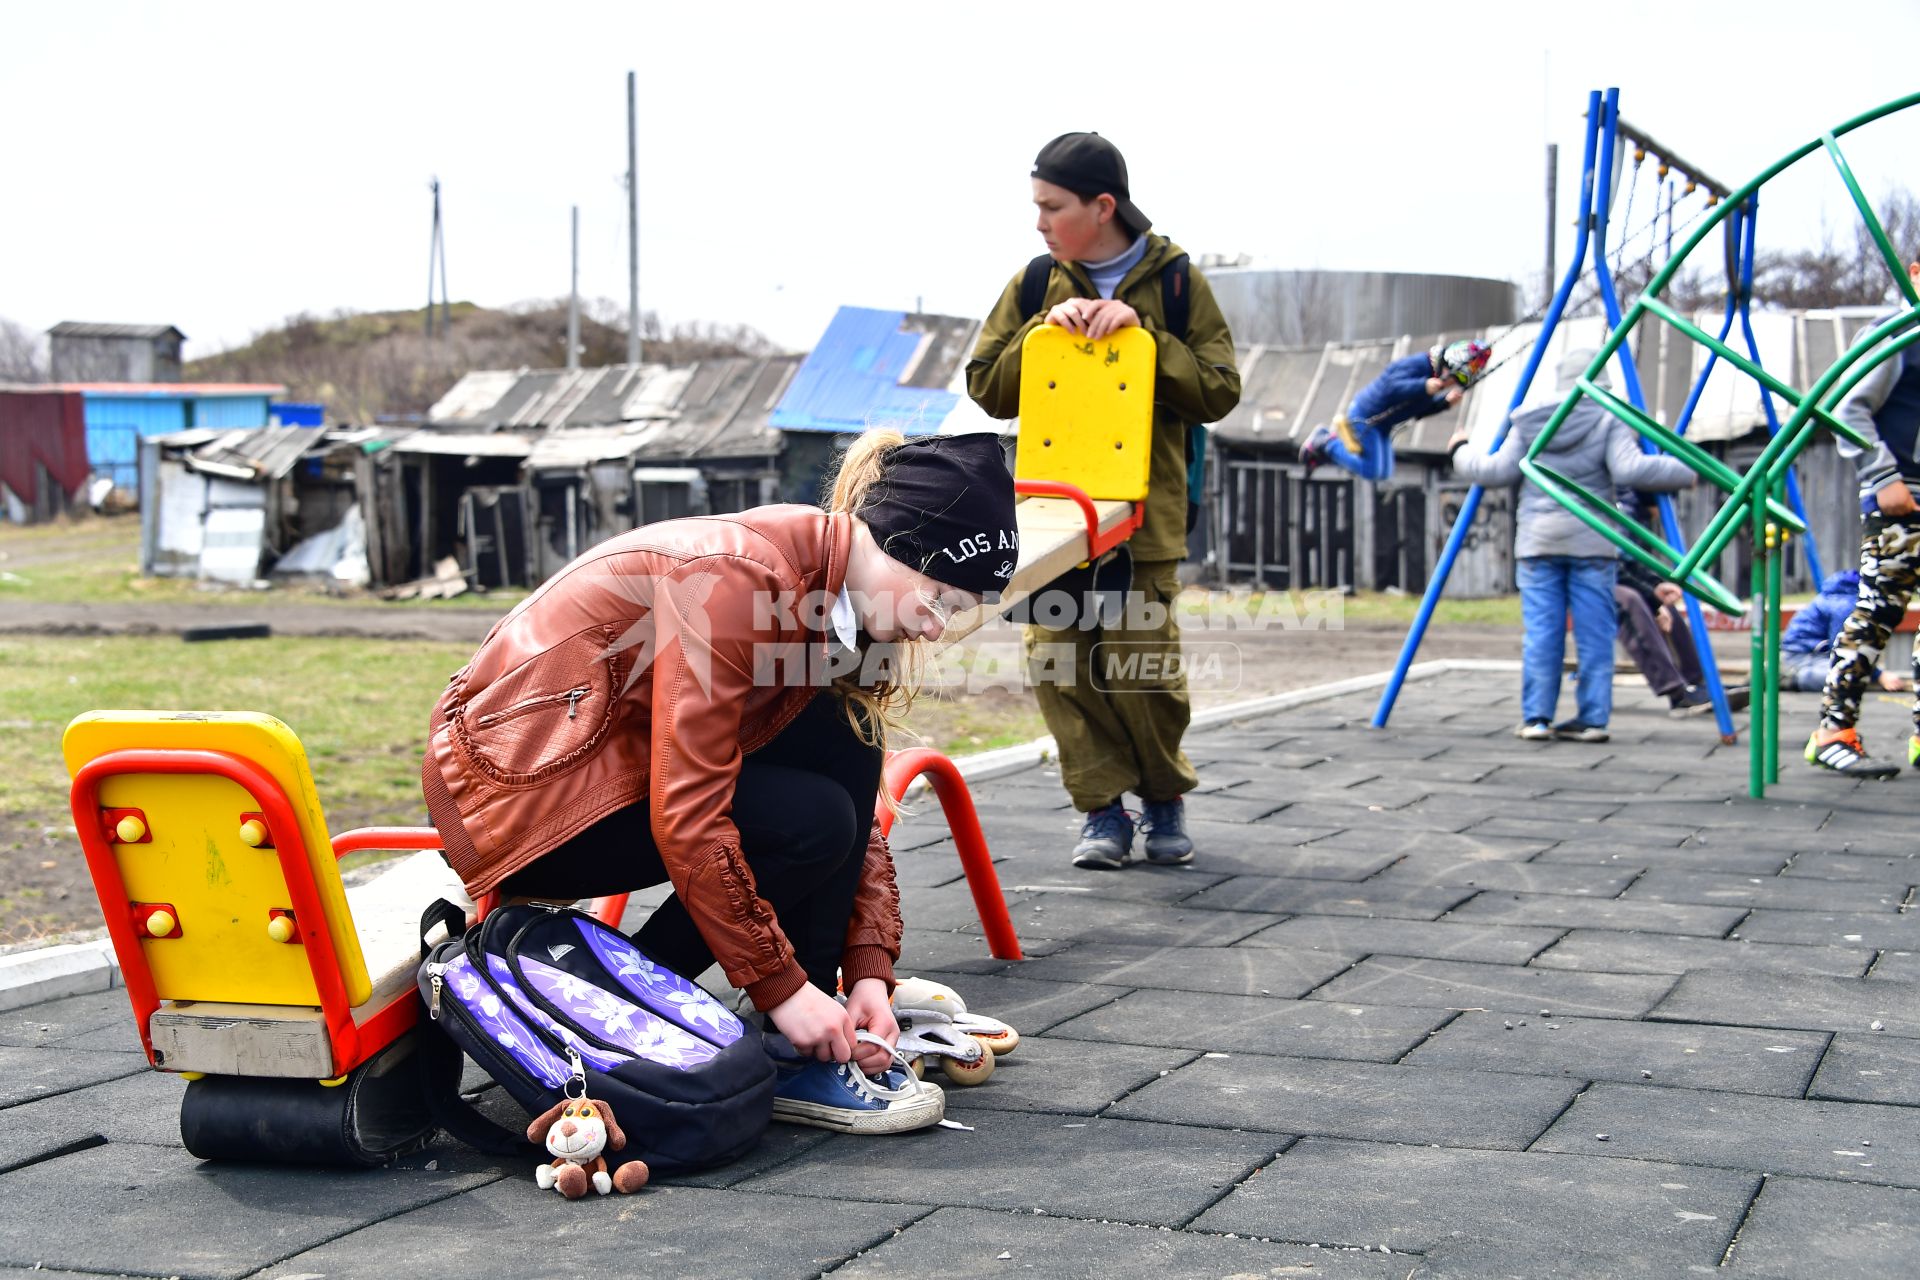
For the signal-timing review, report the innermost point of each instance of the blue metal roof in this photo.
(852, 379)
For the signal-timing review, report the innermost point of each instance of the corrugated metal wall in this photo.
(43, 458)
(230, 411)
(116, 424)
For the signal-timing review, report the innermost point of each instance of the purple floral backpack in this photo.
(538, 995)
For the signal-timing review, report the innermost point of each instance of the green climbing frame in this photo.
(1756, 500)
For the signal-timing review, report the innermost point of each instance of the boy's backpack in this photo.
(1176, 280)
(539, 995)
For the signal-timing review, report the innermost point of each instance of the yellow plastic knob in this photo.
(160, 924)
(130, 830)
(280, 928)
(253, 833)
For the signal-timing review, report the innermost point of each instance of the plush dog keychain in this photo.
(578, 1130)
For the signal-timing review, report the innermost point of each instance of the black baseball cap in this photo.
(944, 506)
(1088, 165)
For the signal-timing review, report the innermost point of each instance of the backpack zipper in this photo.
(436, 976)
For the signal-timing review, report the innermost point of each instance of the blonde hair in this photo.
(874, 709)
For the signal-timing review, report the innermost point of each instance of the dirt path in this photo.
(387, 622)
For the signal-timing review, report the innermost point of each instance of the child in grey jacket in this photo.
(1564, 566)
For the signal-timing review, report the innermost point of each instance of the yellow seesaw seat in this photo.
(222, 894)
(195, 857)
(1086, 411)
(1086, 420)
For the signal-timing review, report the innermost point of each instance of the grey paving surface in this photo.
(1377, 1030)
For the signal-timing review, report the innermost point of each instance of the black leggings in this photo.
(803, 805)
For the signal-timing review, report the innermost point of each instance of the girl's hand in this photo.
(867, 1005)
(816, 1024)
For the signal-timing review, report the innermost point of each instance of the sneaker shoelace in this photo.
(1146, 820)
(1109, 823)
(875, 1090)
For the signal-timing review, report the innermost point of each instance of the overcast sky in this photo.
(220, 167)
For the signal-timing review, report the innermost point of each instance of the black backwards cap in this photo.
(1088, 165)
(944, 507)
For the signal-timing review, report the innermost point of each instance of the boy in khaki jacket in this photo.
(1118, 730)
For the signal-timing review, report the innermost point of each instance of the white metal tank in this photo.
(1270, 306)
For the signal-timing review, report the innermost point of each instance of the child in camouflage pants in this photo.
(1884, 408)
(1889, 576)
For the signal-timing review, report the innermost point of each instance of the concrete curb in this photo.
(50, 973)
(80, 968)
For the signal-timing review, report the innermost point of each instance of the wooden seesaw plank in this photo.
(1053, 539)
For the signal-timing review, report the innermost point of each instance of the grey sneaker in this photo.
(1165, 823)
(1579, 731)
(1313, 450)
(1106, 841)
(1694, 700)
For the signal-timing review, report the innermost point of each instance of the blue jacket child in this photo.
(1816, 626)
(1806, 646)
(1361, 440)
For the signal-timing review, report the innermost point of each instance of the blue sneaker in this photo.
(1106, 841)
(840, 1096)
(1165, 822)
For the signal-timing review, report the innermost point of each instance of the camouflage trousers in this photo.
(1115, 698)
(1889, 575)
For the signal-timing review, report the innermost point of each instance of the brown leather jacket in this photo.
(642, 673)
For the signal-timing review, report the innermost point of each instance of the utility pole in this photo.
(633, 229)
(573, 299)
(437, 259)
(1553, 195)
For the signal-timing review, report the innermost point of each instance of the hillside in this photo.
(369, 365)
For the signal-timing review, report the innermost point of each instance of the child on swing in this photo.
(1361, 439)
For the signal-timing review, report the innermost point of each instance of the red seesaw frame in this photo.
(350, 1043)
(1098, 543)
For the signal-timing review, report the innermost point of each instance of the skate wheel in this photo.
(968, 1073)
(1000, 1042)
(919, 1065)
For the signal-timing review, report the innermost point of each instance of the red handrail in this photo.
(608, 910)
(361, 839)
(1098, 543)
(956, 802)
